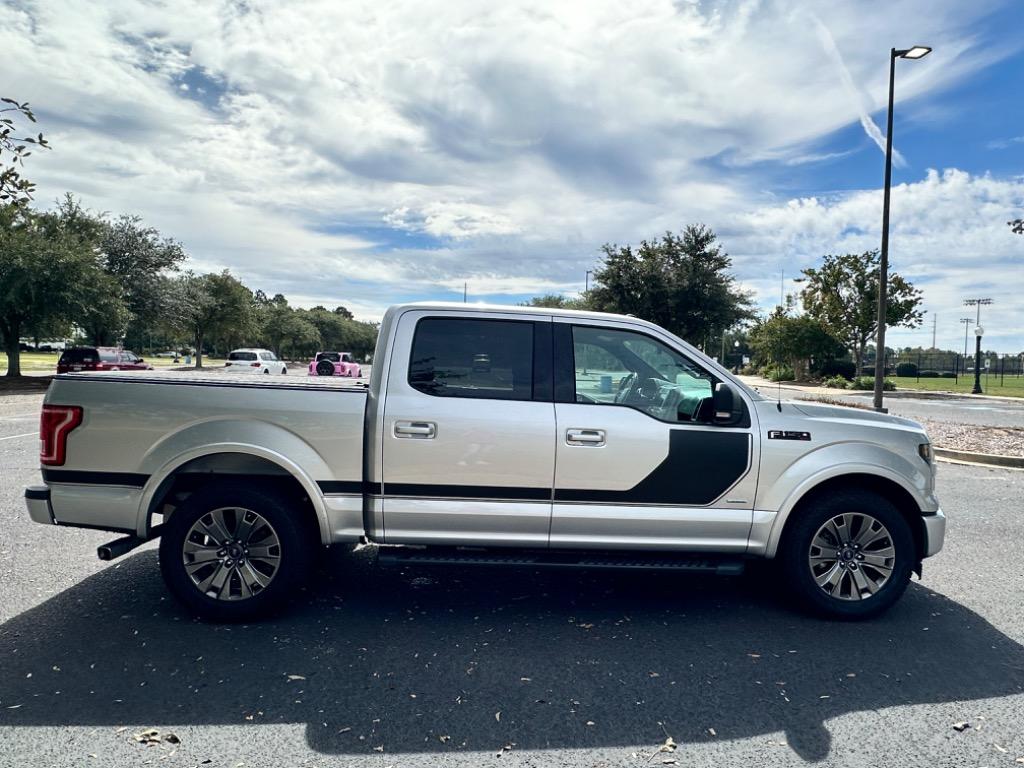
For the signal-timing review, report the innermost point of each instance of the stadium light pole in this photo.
(916, 52)
(967, 328)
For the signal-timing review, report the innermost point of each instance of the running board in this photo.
(696, 563)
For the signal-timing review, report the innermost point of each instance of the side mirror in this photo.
(728, 405)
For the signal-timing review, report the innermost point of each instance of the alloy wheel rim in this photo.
(231, 553)
(852, 556)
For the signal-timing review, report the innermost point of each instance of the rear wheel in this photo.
(234, 553)
(325, 368)
(848, 555)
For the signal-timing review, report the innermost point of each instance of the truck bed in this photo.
(138, 427)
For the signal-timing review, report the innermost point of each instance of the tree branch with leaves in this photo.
(15, 146)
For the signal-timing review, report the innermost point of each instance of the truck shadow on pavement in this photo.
(456, 659)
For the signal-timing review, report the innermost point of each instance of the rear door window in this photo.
(463, 357)
(241, 356)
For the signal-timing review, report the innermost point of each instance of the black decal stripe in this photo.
(699, 468)
(481, 492)
(77, 477)
(348, 486)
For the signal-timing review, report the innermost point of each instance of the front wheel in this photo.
(848, 555)
(232, 552)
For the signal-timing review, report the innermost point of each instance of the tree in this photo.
(557, 301)
(796, 341)
(842, 294)
(138, 258)
(1017, 226)
(13, 187)
(681, 282)
(210, 305)
(46, 269)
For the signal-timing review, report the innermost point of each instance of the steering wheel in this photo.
(626, 384)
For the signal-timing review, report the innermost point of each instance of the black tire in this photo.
(325, 368)
(297, 538)
(795, 549)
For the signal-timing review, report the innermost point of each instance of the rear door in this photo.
(640, 462)
(468, 442)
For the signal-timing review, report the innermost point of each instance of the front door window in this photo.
(629, 369)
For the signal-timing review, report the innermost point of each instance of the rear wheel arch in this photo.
(175, 482)
(888, 489)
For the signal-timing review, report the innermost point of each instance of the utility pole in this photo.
(465, 288)
(935, 325)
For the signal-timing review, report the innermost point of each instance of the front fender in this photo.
(254, 438)
(836, 460)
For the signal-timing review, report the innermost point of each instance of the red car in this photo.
(100, 359)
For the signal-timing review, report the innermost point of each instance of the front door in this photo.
(640, 462)
(469, 431)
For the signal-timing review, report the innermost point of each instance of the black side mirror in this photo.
(728, 405)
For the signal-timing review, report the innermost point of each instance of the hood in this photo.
(853, 415)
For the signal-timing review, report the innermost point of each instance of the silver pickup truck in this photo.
(491, 435)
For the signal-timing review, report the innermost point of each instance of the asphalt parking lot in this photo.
(468, 667)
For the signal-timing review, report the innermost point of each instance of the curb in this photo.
(987, 459)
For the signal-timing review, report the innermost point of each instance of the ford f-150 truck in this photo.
(491, 435)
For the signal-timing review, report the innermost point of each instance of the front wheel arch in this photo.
(893, 492)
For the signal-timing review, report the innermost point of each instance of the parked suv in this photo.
(254, 361)
(100, 359)
(335, 364)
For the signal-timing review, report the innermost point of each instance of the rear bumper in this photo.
(37, 499)
(101, 507)
(934, 532)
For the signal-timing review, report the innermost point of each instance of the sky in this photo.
(367, 153)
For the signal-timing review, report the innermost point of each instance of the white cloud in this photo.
(362, 152)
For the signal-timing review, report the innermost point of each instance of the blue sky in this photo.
(365, 153)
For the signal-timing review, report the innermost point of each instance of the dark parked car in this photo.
(100, 359)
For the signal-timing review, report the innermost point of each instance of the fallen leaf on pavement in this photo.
(668, 746)
(961, 727)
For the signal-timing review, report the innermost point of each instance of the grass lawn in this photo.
(1012, 386)
(46, 362)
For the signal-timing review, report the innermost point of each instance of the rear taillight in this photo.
(55, 423)
(255, 365)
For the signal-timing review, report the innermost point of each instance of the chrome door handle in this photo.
(591, 437)
(418, 430)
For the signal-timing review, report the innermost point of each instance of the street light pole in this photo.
(917, 52)
(589, 273)
(978, 333)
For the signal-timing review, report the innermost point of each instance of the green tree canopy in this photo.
(557, 301)
(842, 294)
(797, 341)
(47, 274)
(681, 282)
(211, 305)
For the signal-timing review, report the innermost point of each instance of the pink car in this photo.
(335, 364)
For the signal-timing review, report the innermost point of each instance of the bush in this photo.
(929, 374)
(749, 370)
(868, 382)
(906, 369)
(778, 373)
(844, 368)
(835, 382)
